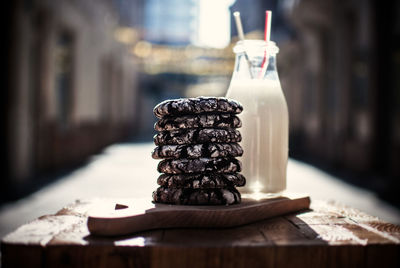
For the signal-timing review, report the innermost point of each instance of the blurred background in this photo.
(82, 75)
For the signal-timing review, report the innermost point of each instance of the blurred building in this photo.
(341, 79)
(71, 86)
(170, 22)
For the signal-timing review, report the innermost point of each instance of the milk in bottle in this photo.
(255, 83)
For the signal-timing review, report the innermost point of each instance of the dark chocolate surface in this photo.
(198, 165)
(197, 150)
(200, 181)
(198, 121)
(196, 136)
(197, 106)
(179, 196)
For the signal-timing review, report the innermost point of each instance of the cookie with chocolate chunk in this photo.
(199, 165)
(198, 121)
(197, 150)
(181, 196)
(201, 181)
(199, 105)
(195, 136)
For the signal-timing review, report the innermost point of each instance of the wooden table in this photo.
(328, 235)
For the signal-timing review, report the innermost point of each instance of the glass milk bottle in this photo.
(255, 84)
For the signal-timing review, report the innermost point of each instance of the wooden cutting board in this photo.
(121, 217)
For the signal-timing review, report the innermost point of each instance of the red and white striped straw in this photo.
(267, 32)
(267, 35)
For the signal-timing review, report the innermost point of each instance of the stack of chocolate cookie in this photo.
(198, 141)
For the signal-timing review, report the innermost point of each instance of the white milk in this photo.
(265, 134)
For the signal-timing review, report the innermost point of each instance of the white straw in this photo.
(239, 25)
(241, 37)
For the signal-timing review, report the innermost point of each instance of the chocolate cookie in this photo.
(197, 150)
(179, 196)
(195, 136)
(178, 107)
(201, 181)
(199, 165)
(198, 121)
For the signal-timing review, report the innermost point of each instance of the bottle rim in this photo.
(253, 44)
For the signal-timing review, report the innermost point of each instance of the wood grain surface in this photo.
(113, 218)
(327, 235)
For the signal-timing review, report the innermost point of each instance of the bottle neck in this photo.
(255, 66)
